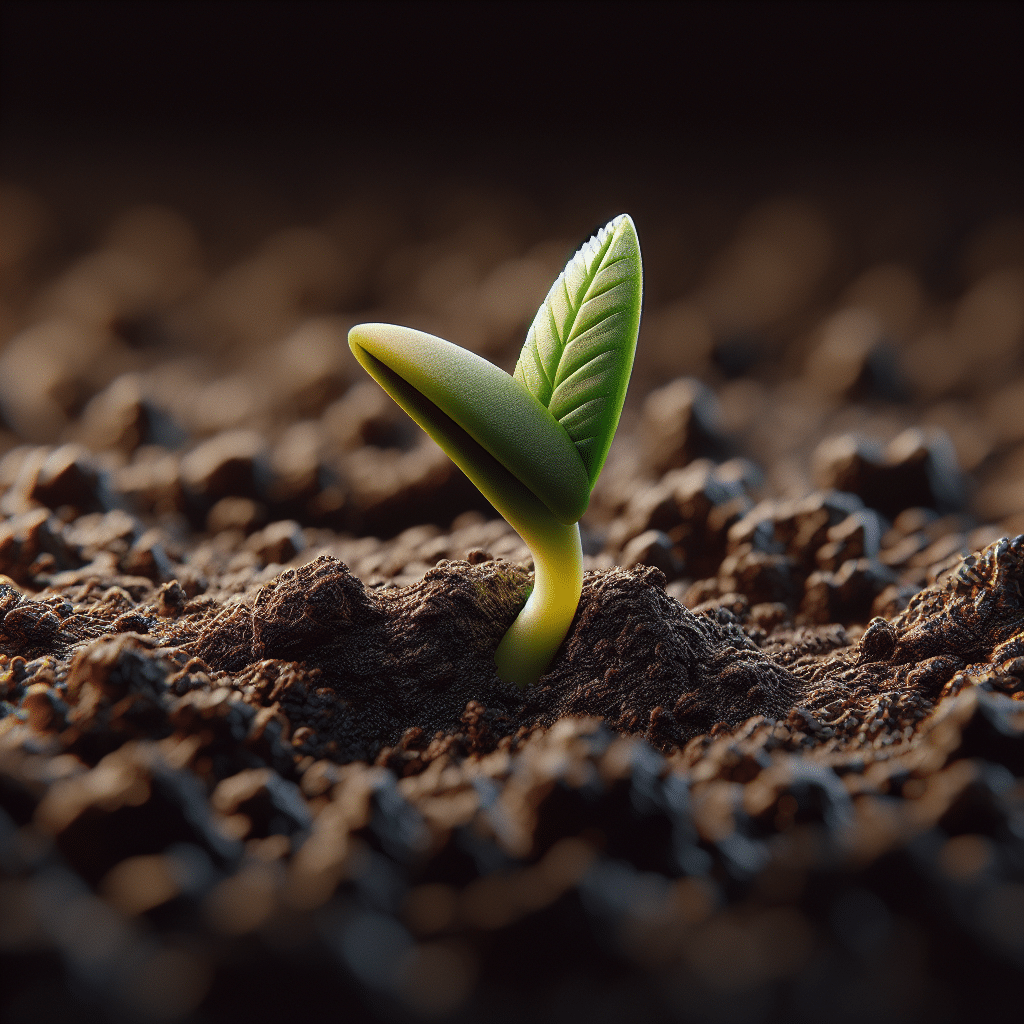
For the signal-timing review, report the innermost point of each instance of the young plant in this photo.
(533, 443)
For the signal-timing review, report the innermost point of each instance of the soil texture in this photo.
(255, 760)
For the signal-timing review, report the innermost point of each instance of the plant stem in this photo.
(529, 645)
(527, 648)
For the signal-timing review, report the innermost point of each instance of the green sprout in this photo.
(533, 443)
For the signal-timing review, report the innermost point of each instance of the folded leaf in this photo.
(579, 351)
(476, 412)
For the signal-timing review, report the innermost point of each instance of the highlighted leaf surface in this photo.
(579, 352)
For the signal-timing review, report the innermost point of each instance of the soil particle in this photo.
(914, 470)
(680, 422)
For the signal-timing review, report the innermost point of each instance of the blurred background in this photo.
(199, 200)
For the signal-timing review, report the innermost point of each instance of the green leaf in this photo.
(491, 427)
(579, 351)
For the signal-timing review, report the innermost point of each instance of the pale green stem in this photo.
(528, 647)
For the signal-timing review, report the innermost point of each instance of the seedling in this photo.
(533, 443)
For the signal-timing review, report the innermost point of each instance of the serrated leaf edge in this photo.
(532, 349)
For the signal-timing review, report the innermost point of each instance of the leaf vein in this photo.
(605, 315)
(589, 277)
(582, 375)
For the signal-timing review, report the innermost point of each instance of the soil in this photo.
(255, 759)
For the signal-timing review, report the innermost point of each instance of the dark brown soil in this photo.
(158, 733)
(314, 645)
(255, 760)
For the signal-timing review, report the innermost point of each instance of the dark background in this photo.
(249, 116)
(665, 73)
